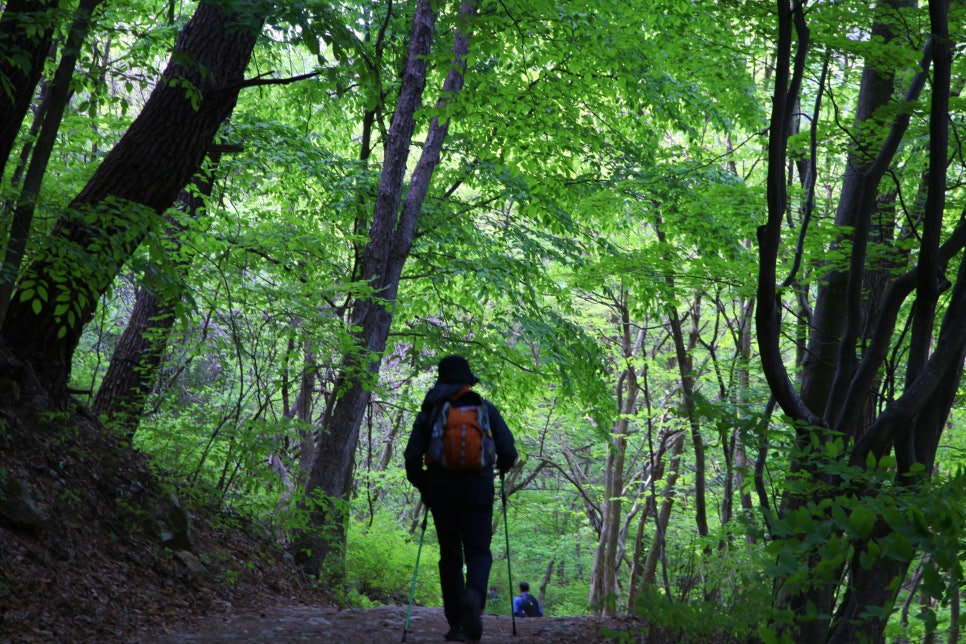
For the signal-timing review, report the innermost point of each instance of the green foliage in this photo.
(865, 516)
(382, 559)
(544, 532)
(740, 616)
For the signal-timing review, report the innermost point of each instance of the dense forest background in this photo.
(705, 256)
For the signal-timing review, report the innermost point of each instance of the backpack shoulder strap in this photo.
(465, 390)
(484, 414)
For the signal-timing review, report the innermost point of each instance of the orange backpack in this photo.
(462, 440)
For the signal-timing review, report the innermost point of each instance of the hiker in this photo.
(459, 494)
(525, 604)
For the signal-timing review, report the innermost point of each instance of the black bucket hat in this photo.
(455, 369)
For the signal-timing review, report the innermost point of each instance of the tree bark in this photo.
(639, 559)
(139, 178)
(742, 464)
(605, 586)
(853, 331)
(676, 448)
(134, 366)
(840, 308)
(682, 352)
(321, 548)
(686, 371)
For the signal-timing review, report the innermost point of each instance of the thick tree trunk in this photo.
(827, 320)
(130, 374)
(877, 584)
(140, 177)
(865, 167)
(321, 548)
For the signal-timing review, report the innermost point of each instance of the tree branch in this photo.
(261, 80)
(769, 235)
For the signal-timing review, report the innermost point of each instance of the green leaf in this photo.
(932, 583)
(869, 556)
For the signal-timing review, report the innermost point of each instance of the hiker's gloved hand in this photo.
(504, 465)
(417, 477)
(424, 490)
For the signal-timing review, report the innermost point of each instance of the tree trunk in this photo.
(857, 203)
(639, 559)
(545, 581)
(915, 442)
(321, 548)
(639, 556)
(134, 366)
(853, 333)
(52, 109)
(22, 62)
(682, 353)
(742, 464)
(604, 588)
(649, 574)
(604, 585)
(140, 177)
(952, 637)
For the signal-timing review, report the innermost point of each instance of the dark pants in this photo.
(463, 531)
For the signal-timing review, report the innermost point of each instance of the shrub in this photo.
(381, 561)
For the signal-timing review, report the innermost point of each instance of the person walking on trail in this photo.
(525, 604)
(457, 440)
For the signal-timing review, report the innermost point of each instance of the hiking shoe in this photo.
(472, 625)
(455, 635)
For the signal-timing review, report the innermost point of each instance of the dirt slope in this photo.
(82, 523)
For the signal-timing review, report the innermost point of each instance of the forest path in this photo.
(377, 625)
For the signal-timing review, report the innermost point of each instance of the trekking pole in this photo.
(506, 531)
(412, 591)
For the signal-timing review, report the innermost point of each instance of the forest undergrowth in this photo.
(95, 547)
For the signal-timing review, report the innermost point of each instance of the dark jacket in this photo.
(437, 484)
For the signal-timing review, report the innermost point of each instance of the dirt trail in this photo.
(382, 624)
